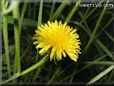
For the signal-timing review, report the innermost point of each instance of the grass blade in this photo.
(110, 37)
(101, 62)
(53, 77)
(96, 28)
(86, 25)
(100, 44)
(82, 26)
(23, 10)
(59, 10)
(86, 66)
(39, 23)
(26, 22)
(100, 75)
(106, 25)
(72, 11)
(52, 9)
(40, 13)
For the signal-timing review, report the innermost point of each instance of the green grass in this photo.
(22, 62)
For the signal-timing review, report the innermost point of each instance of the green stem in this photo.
(17, 67)
(15, 76)
(40, 63)
(5, 37)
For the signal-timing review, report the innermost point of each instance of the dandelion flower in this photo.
(58, 38)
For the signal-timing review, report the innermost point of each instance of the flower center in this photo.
(57, 37)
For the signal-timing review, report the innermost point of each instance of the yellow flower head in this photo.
(60, 39)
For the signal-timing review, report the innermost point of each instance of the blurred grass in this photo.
(59, 10)
(99, 76)
(96, 28)
(93, 25)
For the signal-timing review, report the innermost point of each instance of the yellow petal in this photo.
(72, 56)
(59, 55)
(64, 54)
(60, 23)
(49, 23)
(40, 45)
(44, 49)
(64, 25)
(34, 38)
(73, 31)
(74, 59)
(36, 42)
(52, 53)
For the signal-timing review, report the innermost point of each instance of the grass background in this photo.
(95, 27)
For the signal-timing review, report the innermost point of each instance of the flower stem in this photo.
(5, 37)
(17, 75)
(40, 63)
(17, 67)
